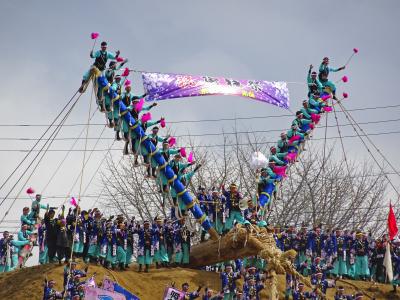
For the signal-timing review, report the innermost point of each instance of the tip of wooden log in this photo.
(213, 234)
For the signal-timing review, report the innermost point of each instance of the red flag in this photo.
(392, 226)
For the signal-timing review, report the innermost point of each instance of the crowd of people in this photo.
(115, 242)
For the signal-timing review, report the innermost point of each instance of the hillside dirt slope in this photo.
(27, 283)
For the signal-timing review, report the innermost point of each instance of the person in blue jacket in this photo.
(49, 293)
(228, 282)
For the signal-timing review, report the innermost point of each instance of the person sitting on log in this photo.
(313, 82)
(114, 115)
(101, 57)
(228, 282)
(155, 139)
(283, 143)
(145, 122)
(315, 102)
(277, 157)
(302, 123)
(136, 112)
(324, 70)
(295, 136)
(166, 152)
(307, 111)
(233, 197)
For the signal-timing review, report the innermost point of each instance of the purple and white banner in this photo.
(160, 86)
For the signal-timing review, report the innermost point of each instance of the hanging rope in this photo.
(65, 157)
(48, 143)
(369, 151)
(38, 141)
(368, 138)
(80, 186)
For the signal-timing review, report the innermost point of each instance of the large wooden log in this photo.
(234, 245)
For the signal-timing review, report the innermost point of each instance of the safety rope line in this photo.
(369, 151)
(48, 144)
(78, 176)
(372, 143)
(38, 141)
(65, 157)
(78, 211)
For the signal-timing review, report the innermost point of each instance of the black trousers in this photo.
(52, 249)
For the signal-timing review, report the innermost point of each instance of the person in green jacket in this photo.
(307, 111)
(315, 101)
(114, 114)
(36, 206)
(166, 152)
(313, 82)
(155, 139)
(277, 157)
(137, 146)
(324, 70)
(27, 218)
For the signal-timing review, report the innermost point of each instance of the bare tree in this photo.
(319, 187)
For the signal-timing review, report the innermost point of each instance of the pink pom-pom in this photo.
(345, 95)
(293, 139)
(291, 157)
(190, 157)
(325, 97)
(345, 78)
(30, 191)
(120, 59)
(162, 123)
(355, 50)
(328, 108)
(182, 151)
(312, 125)
(171, 141)
(280, 170)
(127, 82)
(125, 73)
(315, 118)
(94, 35)
(139, 105)
(146, 117)
(73, 202)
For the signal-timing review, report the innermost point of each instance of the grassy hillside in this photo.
(27, 283)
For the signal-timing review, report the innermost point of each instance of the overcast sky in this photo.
(45, 49)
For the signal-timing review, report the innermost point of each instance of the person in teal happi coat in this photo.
(324, 70)
(101, 57)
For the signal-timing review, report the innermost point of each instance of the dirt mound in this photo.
(27, 283)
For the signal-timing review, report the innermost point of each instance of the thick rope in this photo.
(369, 151)
(65, 157)
(37, 142)
(48, 143)
(368, 138)
(80, 187)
